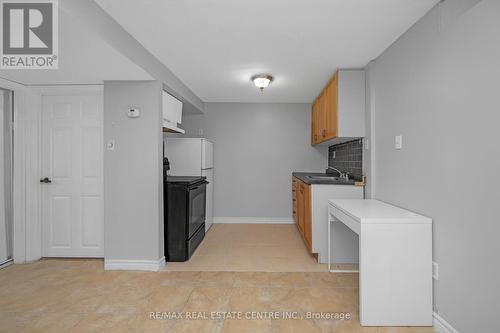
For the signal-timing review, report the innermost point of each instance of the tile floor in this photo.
(251, 248)
(57, 295)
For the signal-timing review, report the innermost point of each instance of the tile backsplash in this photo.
(347, 157)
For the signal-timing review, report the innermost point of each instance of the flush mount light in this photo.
(261, 81)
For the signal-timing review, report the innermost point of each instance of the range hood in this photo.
(171, 127)
(172, 113)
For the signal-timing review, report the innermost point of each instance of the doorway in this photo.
(72, 176)
(6, 135)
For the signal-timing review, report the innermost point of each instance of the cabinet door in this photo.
(294, 199)
(330, 129)
(322, 116)
(315, 125)
(307, 216)
(301, 208)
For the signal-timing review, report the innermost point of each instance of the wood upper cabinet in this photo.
(315, 130)
(301, 194)
(330, 111)
(339, 110)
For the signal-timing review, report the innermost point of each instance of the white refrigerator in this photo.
(193, 157)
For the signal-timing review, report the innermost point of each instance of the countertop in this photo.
(185, 179)
(303, 177)
(375, 211)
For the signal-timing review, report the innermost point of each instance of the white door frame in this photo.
(27, 240)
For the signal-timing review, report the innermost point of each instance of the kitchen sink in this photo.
(325, 178)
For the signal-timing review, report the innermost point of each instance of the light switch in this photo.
(398, 142)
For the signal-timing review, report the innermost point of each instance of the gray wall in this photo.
(438, 87)
(97, 19)
(133, 183)
(257, 146)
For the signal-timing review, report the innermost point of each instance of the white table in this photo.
(395, 261)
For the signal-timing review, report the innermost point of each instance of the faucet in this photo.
(343, 175)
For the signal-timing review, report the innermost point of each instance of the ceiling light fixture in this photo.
(261, 81)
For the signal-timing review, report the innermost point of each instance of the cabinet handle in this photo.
(323, 133)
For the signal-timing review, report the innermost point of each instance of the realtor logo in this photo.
(28, 35)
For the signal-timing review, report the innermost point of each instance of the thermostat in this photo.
(133, 112)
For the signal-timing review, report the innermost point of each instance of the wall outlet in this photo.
(398, 142)
(110, 145)
(435, 271)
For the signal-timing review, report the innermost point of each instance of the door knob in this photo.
(45, 180)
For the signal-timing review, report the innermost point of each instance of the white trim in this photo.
(254, 220)
(134, 265)
(7, 263)
(27, 127)
(69, 90)
(442, 326)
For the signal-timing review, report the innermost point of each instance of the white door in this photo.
(72, 163)
(209, 208)
(3, 226)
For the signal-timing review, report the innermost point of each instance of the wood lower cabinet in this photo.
(301, 194)
(310, 213)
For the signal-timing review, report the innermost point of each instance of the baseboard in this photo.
(134, 265)
(7, 263)
(253, 220)
(442, 326)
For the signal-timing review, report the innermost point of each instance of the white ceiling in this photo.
(84, 58)
(215, 46)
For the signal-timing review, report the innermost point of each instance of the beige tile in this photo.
(216, 279)
(197, 326)
(296, 326)
(168, 298)
(405, 330)
(349, 280)
(287, 280)
(206, 263)
(247, 326)
(90, 323)
(207, 299)
(251, 248)
(178, 277)
(77, 296)
(252, 279)
(255, 299)
(324, 280)
(55, 322)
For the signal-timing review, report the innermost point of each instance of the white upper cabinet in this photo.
(172, 113)
(351, 104)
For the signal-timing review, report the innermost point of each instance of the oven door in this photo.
(196, 211)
